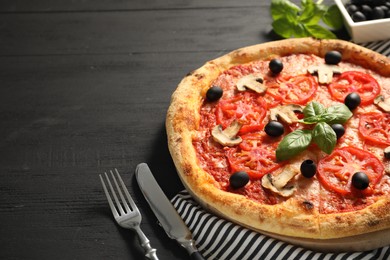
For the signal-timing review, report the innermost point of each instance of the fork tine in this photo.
(113, 209)
(124, 203)
(118, 204)
(129, 198)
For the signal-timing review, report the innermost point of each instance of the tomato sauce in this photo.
(256, 153)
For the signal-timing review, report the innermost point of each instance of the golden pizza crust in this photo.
(289, 218)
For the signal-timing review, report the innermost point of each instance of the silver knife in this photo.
(166, 214)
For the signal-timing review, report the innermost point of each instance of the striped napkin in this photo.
(382, 47)
(217, 238)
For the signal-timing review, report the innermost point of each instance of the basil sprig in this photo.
(315, 112)
(322, 134)
(290, 20)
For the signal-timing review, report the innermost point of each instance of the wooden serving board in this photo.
(357, 243)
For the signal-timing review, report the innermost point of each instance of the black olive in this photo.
(332, 57)
(338, 129)
(239, 179)
(352, 100)
(357, 2)
(378, 13)
(376, 2)
(360, 180)
(386, 10)
(366, 10)
(214, 93)
(358, 17)
(362, 10)
(274, 128)
(308, 168)
(276, 66)
(352, 8)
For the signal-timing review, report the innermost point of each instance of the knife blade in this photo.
(166, 214)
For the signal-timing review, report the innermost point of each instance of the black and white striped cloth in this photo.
(382, 47)
(218, 238)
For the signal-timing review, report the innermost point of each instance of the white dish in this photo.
(366, 31)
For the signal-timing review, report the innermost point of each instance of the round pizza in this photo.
(290, 138)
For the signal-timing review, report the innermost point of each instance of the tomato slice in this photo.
(336, 170)
(354, 81)
(255, 155)
(293, 89)
(272, 101)
(375, 127)
(248, 108)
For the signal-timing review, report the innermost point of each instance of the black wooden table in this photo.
(84, 88)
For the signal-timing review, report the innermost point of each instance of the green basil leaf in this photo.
(310, 14)
(300, 31)
(319, 32)
(333, 18)
(311, 120)
(341, 113)
(321, 7)
(313, 109)
(292, 144)
(292, 21)
(328, 118)
(320, 118)
(325, 137)
(282, 8)
(283, 27)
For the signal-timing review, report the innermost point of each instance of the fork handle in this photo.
(150, 252)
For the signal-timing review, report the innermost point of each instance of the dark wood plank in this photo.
(115, 5)
(64, 110)
(18, 6)
(85, 92)
(85, 85)
(127, 33)
(65, 119)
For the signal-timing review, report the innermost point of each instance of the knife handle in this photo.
(189, 245)
(196, 256)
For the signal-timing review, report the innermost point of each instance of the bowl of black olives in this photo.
(366, 20)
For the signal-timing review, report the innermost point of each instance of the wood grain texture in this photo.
(116, 5)
(66, 120)
(127, 33)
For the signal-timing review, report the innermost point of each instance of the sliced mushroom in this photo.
(228, 136)
(325, 72)
(286, 113)
(278, 183)
(383, 103)
(253, 82)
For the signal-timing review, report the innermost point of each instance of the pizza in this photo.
(290, 138)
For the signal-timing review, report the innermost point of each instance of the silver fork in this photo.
(126, 212)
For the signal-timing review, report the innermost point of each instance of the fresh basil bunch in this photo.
(322, 134)
(290, 20)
